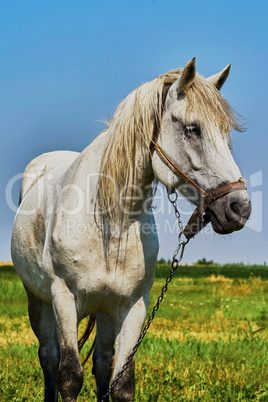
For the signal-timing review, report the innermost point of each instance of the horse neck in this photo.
(134, 199)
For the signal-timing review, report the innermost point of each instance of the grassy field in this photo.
(209, 341)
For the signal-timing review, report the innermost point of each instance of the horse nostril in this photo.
(241, 209)
(235, 207)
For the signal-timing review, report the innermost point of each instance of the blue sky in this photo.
(65, 65)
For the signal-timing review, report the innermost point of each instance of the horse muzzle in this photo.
(230, 213)
(227, 208)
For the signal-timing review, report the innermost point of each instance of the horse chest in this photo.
(101, 283)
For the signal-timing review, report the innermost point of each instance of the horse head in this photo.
(195, 133)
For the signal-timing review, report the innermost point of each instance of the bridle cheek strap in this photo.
(199, 219)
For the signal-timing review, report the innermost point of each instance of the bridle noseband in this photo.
(199, 219)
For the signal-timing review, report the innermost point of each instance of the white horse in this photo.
(83, 241)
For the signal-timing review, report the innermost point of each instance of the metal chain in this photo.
(177, 257)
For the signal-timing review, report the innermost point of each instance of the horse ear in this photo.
(219, 79)
(188, 76)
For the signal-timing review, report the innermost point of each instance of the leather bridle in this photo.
(199, 219)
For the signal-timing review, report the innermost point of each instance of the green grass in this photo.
(229, 271)
(13, 300)
(209, 340)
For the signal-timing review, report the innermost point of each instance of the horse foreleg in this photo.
(70, 372)
(103, 353)
(129, 327)
(44, 326)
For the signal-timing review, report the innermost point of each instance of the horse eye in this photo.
(193, 129)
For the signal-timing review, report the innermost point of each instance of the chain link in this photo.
(177, 257)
